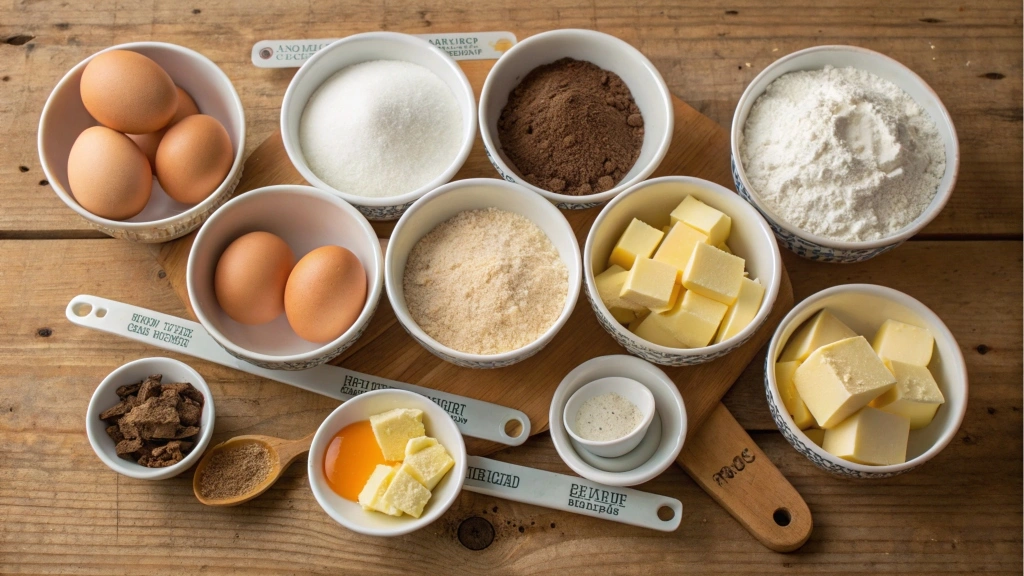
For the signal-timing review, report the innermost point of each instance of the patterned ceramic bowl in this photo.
(305, 218)
(647, 86)
(864, 307)
(652, 201)
(474, 194)
(816, 247)
(163, 219)
(365, 47)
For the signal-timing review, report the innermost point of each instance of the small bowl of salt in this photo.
(379, 119)
(609, 416)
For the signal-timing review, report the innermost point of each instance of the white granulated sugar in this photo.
(842, 153)
(381, 128)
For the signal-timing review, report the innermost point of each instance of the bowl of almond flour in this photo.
(846, 152)
(483, 273)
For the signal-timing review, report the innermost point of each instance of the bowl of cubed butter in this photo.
(865, 381)
(681, 271)
(387, 463)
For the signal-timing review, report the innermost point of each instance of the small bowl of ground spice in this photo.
(482, 272)
(379, 119)
(150, 419)
(577, 116)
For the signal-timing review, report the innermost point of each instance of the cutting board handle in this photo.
(725, 461)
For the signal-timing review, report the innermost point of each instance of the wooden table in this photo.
(62, 510)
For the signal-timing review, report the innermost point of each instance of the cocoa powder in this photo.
(235, 471)
(571, 127)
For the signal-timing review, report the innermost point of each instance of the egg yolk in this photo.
(351, 458)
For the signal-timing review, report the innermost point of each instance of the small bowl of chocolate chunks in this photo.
(151, 419)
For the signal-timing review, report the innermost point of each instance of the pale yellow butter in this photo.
(694, 320)
(609, 286)
(676, 291)
(817, 435)
(784, 372)
(870, 436)
(622, 315)
(428, 466)
(742, 311)
(649, 283)
(376, 486)
(640, 317)
(840, 378)
(419, 443)
(724, 248)
(393, 430)
(677, 247)
(639, 240)
(904, 343)
(823, 328)
(406, 494)
(703, 218)
(654, 329)
(916, 395)
(714, 274)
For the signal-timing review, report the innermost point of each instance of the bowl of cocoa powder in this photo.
(150, 419)
(576, 116)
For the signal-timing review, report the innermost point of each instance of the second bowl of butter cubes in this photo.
(681, 271)
(865, 381)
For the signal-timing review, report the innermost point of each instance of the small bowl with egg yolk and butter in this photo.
(112, 178)
(329, 478)
(681, 271)
(285, 277)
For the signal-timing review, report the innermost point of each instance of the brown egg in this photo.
(251, 275)
(325, 293)
(128, 92)
(148, 143)
(108, 174)
(193, 158)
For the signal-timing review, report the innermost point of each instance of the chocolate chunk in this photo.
(114, 431)
(118, 410)
(185, 390)
(128, 390)
(185, 432)
(189, 412)
(149, 389)
(128, 448)
(154, 418)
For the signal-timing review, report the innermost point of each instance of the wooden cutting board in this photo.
(700, 147)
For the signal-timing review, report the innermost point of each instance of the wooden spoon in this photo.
(282, 453)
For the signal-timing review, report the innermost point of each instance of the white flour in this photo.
(381, 128)
(842, 153)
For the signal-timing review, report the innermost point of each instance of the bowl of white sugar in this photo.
(846, 152)
(483, 273)
(379, 119)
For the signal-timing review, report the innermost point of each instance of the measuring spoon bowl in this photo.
(282, 453)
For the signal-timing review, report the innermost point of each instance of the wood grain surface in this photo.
(61, 510)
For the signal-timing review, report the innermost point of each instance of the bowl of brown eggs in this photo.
(144, 140)
(285, 277)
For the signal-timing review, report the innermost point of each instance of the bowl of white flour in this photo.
(846, 152)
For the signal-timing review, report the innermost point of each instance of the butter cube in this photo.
(742, 311)
(823, 328)
(695, 319)
(916, 395)
(639, 240)
(703, 218)
(784, 372)
(609, 286)
(713, 273)
(904, 343)
(622, 315)
(655, 329)
(817, 435)
(677, 248)
(428, 466)
(649, 283)
(406, 494)
(376, 486)
(676, 290)
(840, 378)
(869, 437)
(394, 428)
(724, 248)
(419, 443)
(640, 317)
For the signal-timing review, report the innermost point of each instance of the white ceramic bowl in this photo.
(349, 514)
(305, 218)
(668, 403)
(652, 201)
(608, 52)
(65, 117)
(105, 397)
(631, 390)
(816, 247)
(864, 307)
(363, 48)
(474, 194)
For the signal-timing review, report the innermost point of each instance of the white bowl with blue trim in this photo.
(812, 246)
(652, 201)
(366, 47)
(864, 307)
